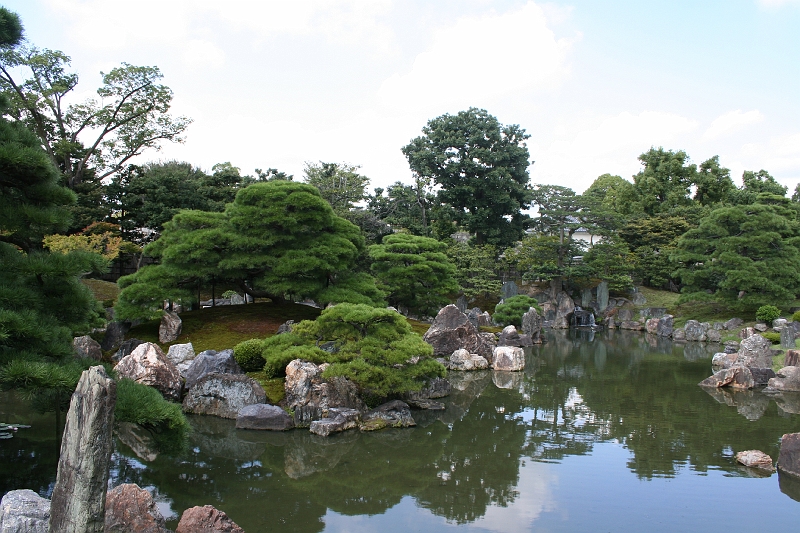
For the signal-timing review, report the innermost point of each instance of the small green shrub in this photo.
(512, 309)
(767, 313)
(280, 350)
(145, 406)
(796, 316)
(229, 294)
(249, 355)
(771, 336)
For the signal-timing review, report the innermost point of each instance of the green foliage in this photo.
(755, 183)
(796, 316)
(664, 182)
(476, 268)
(771, 336)
(610, 260)
(545, 258)
(145, 406)
(481, 167)
(414, 271)
(767, 313)
(47, 385)
(279, 350)
(405, 207)
(338, 183)
(653, 240)
(511, 310)
(249, 355)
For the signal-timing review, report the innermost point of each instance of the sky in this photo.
(277, 84)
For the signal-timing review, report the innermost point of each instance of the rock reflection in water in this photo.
(788, 402)
(218, 437)
(308, 454)
(751, 404)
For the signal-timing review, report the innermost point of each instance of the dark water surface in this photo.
(605, 432)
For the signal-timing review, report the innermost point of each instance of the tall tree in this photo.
(404, 207)
(755, 183)
(338, 183)
(713, 183)
(481, 168)
(664, 182)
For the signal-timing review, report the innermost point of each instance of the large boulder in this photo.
(24, 511)
(479, 318)
(787, 337)
(532, 325)
(651, 326)
(211, 362)
(87, 347)
(508, 358)
(462, 360)
(736, 377)
(792, 358)
(148, 365)
(206, 519)
(310, 396)
(115, 334)
(339, 419)
(131, 509)
(665, 326)
(786, 379)
(451, 330)
(723, 360)
(755, 351)
(223, 395)
(79, 495)
(510, 337)
(564, 309)
(181, 356)
(170, 328)
(126, 348)
(265, 417)
(633, 325)
(713, 335)
(789, 456)
(695, 331)
(395, 414)
(733, 323)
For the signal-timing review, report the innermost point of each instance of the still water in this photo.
(602, 432)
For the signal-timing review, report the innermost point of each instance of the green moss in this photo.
(103, 291)
(420, 328)
(273, 387)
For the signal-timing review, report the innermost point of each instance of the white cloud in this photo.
(777, 3)
(480, 58)
(778, 155)
(731, 122)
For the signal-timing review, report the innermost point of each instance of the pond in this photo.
(602, 432)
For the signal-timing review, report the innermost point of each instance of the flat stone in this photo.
(24, 511)
(789, 456)
(206, 519)
(395, 413)
(426, 405)
(755, 459)
(131, 509)
(338, 420)
(223, 395)
(761, 327)
(633, 325)
(265, 417)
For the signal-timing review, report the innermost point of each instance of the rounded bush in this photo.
(511, 310)
(249, 355)
(767, 313)
(771, 336)
(796, 316)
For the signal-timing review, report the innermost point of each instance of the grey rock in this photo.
(237, 299)
(394, 414)
(286, 327)
(625, 315)
(787, 379)
(723, 360)
(461, 303)
(746, 332)
(731, 347)
(265, 417)
(586, 298)
(733, 323)
(737, 377)
(508, 358)
(462, 360)
(339, 419)
(87, 347)
(435, 388)
(665, 326)
(755, 351)
(211, 362)
(131, 509)
(761, 328)
(638, 299)
(223, 395)
(115, 334)
(713, 335)
(679, 334)
(632, 325)
(787, 338)
(652, 312)
(206, 519)
(792, 358)
(451, 330)
(779, 322)
(602, 296)
(148, 365)
(310, 396)
(762, 376)
(532, 325)
(651, 326)
(126, 348)
(170, 328)
(509, 290)
(564, 309)
(510, 337)
(426, 405)
(181, 353)
(24, 511)
(719, 326)
(789, 456)
(479, 318)
(79, 495)
(695, 332)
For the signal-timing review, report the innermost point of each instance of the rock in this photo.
(452, 330)
(665, 326)
(507, 380)
(394, 414)
(723, 360)
(787, 338)
(755, 459)
(310, 396)
(779, 323)
(223, 395)
(651, 326)
(564, 309)
(126, 348)
(339, 419)
(435, 388)
(508, 358)
(760, 327)
(510, 337)
(462, 360)
(211, 362)
(679, 334)
(625, 315)
(731, 347)
(426, 405)
(24, 511)
(170, 327)
(138, 439)
(148, 365)
(479, 318)
(79, 495)
(263, 416)
(532, 325)
(610, 323)
(786, 379)
(509, 290)
(733, 323)
(792, 358)
(286, 327)
(206, 519)
(87, 347)
(695, 331)
(237, 299)
(737, 377)
(639, 299)
(713, 335)
(462, 304)
(602, 296)
(179, 354)
(746, 332)
(115, 334)
(719, 326)
(130, 509)
(632, 325)
(789, 456)
(761, 376)
(755, 351)
(652, 312)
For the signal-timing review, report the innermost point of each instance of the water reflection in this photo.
(489, 460)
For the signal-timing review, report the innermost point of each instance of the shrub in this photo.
(249, 355)
(282, 349)
(796, 316)
(512, 309)
(143, 405)
(771, 336)
(767, 313)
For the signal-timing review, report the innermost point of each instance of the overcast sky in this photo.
(594, 83)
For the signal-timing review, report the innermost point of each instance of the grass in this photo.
(104, 291)
(273, 387)
(656, 298)
(224, 327)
